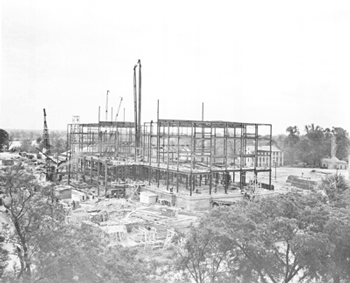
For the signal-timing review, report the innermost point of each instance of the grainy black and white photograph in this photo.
(175, 141)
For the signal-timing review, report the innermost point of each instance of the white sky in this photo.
(279, 62)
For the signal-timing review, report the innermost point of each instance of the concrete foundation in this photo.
(196, 201)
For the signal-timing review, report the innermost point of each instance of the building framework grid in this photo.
(178, 154)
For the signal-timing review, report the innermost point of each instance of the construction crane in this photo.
(46, 138)
(53, 167)
(46, 149)
(120, 103)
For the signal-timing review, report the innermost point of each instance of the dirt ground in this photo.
(280, 174)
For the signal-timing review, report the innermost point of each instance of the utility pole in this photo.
(275, 170)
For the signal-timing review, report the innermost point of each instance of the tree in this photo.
(291, 141)
(59, 145)
(3, 256)
(280, 139)
(48, 249)
(277, 239)
(70, 252)
(27, 207)
(303, 149)
(315, 138)
(338, 230)
(4, 139)
(342, 141)
(26, 146)
(205, 255)
(327, 143)
(337, 189)
(316, 144)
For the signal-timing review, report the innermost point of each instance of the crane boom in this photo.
(107, 105)
(46, 149)
(47, 156)
(120, 103)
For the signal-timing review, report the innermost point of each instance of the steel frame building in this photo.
(208, 151)
(113, 139)
(190, 155)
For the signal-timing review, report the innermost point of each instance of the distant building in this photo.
(263, 159)
(333, 163)
(71, 194)
(14, 145)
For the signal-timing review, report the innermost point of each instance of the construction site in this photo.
(190, 164)
(139, 183)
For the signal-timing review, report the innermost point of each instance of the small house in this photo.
(333, 163)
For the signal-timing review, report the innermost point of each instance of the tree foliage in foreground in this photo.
(4, 139)
(3, 256)
(337, 189)
(278, 239)
(48, 250)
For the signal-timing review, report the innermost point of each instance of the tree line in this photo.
(308, 148)
(314, 145)
(32, 139)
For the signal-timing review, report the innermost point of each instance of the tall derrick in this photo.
(46, 137)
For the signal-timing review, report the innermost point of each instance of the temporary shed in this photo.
(148, 197)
